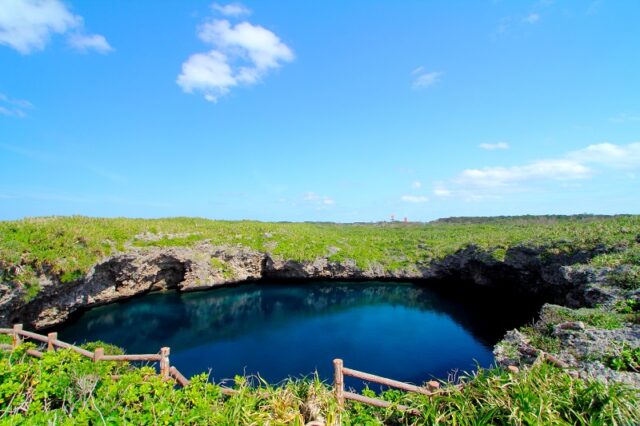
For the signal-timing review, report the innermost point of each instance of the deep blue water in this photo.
(404, 331)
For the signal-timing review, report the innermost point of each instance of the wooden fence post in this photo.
(16, 337)
(164, 361)
(338, 381)
(50, 338)
(97, 354)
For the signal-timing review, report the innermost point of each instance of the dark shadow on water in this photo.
(410, 332)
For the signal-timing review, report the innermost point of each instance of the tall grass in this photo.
(65, 388)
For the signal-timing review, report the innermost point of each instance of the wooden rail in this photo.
(167, 371)
(18, 334)
(340, 371)
(392, 383)
(431, 388)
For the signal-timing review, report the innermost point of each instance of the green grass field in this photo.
(63, 388)
(69, 246)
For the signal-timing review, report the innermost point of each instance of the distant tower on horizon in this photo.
(393, 218)
(406, 220)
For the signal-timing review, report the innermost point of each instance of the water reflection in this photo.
(404, 331)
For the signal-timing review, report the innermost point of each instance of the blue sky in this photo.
(336, 110)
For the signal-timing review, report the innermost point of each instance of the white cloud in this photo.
(423, 78)
(491, 182)
(531, 18)
(84, 43)
(264, 48)
(242, 55)
(442, 192)
(416, 184)
(209, 73)
(13, 107)
(556, 169)
(318, 200)
(610, 155)
(231, 9)
(494, 146)
(414, 198)
(27, 25)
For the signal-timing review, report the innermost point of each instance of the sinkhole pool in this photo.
(405, 331)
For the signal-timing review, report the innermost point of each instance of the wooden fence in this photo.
(169, 372)
(340, 371)
(430, 388)
(51, 340)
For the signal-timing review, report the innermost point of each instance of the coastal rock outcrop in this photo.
(204, 266)
(588, 349)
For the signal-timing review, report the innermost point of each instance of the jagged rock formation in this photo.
(202, 267)
(580, 347)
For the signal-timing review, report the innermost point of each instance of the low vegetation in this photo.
(67, 247)
(624, 358)
(65, 388)
(608, 319)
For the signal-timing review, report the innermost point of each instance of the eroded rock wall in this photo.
(524, 269)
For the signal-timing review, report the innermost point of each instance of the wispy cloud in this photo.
(13, 107)
(231, 9)
(85, 43)
(625, 118)
(414, 199)
(521, 20)
(594, 7)
(491, 182)
(321, 201)
(242, 54)
(54, 196)
(57, 159)
(504, 25)
(492, 177)
(441, 192)
(28, 25)
(423, 78)
(609, 155)
(494, 146)
(416, 184)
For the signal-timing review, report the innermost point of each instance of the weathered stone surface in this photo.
(582, 347)
(570, 325)
(599, 371)
(205, 266)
